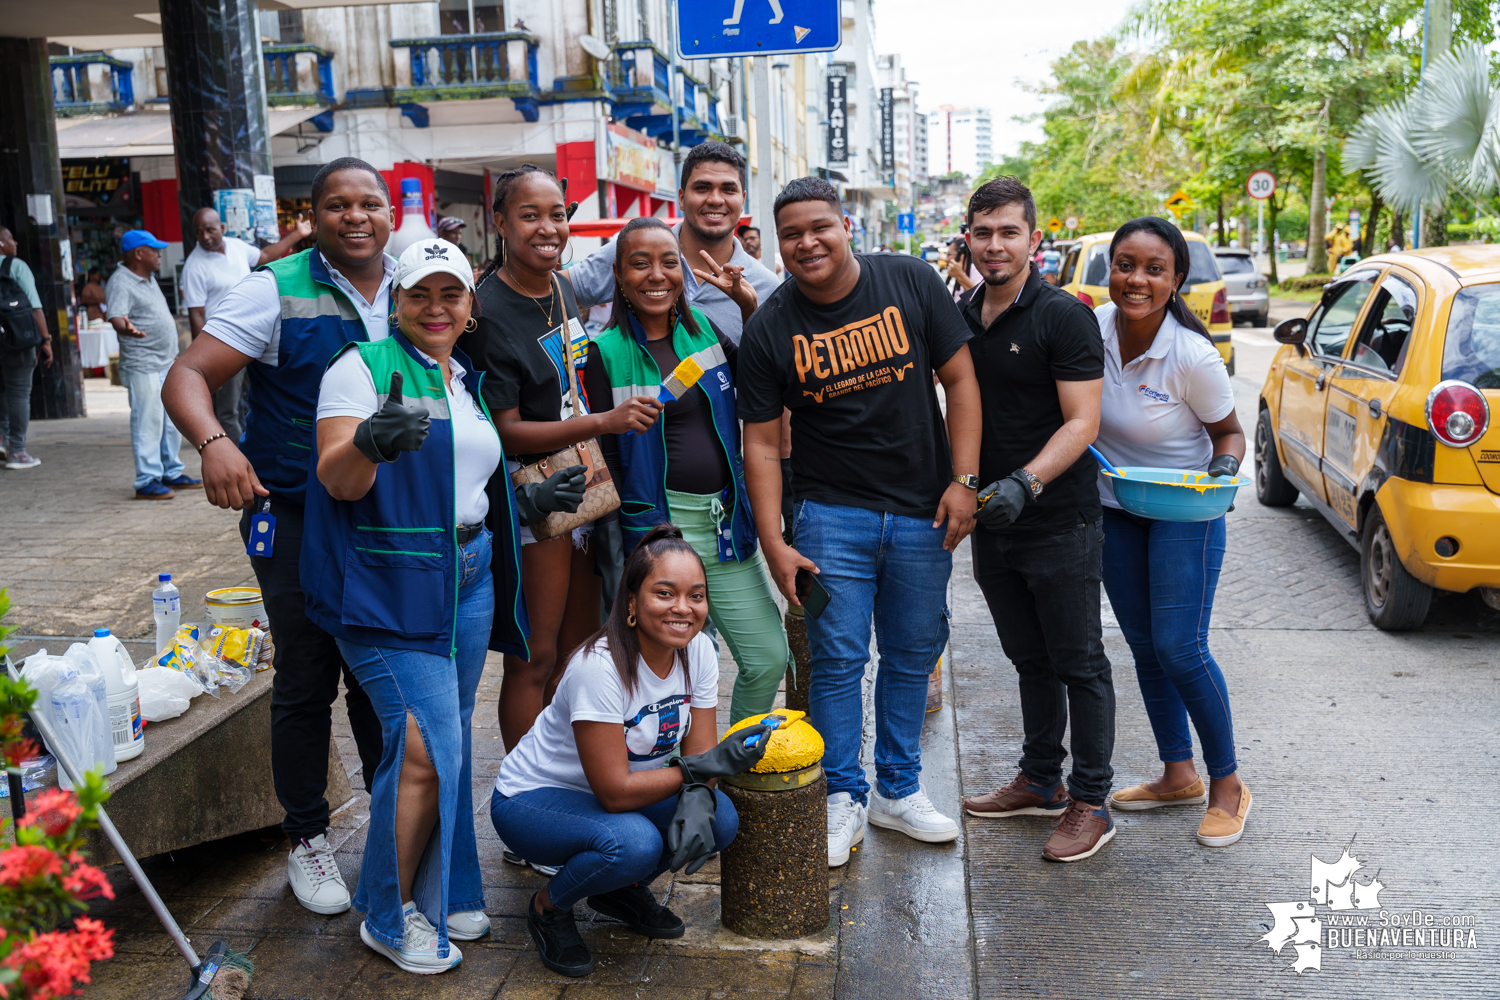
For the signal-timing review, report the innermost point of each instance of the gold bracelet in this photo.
(211, 440)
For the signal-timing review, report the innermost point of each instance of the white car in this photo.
(1249, 295)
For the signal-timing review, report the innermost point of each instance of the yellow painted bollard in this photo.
(773, 880)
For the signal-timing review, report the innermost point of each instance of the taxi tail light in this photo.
(1220, 311)
(1086, 299)
(1457, 413)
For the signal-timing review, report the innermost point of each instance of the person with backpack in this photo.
(23, 338)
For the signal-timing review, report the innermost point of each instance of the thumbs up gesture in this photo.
(392, 429)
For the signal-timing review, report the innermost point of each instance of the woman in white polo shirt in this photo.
(1168, 403)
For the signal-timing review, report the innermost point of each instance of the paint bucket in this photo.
(239, 607)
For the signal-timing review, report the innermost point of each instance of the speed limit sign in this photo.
(1071, 222)
(1261, 184)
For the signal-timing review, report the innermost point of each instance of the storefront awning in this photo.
(145, 133)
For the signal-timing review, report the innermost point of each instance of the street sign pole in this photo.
(765, 192)
(676, 83)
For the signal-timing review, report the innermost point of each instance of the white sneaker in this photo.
(315, 877)
(913, 816)
(513, 858)
(21, 460)
(469, 925)
(846, 827)
(419, 943)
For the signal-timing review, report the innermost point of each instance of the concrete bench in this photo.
(203, 776)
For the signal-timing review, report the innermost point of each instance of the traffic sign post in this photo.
(1055, 225)
(1178, 203)
(906, 222)
(1070, 224)
(709, 29)
(1260, 186)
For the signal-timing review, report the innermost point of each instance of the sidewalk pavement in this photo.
(1348, 737)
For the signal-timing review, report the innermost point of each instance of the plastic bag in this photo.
(82, 659)
(75, 723)
(237, 647)
(165, 693)
(34, 774)
(41, 672)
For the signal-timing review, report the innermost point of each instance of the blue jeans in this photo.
(1160, 577)
(595, 850)
(152, 437)
(894, 569)
(439, 693)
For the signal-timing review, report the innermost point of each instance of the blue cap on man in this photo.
(139, 238)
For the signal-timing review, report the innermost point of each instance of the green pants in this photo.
(741, 603)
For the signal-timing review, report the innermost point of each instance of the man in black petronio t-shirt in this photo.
(1038, 547)
(850, 347)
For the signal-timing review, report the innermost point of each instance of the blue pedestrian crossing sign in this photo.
(906, 222)
(708, 29)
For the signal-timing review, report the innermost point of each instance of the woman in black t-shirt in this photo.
(522, 342)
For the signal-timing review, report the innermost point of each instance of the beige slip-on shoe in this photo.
(1219, 829)
(1139, 797)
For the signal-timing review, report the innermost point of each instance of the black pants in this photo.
(1043, 592)
(306, 683)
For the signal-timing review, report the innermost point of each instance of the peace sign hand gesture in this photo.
(728, 278)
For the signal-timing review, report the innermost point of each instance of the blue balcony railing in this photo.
(74, 94)
(460, 67)
(639, 80)
(298, 75)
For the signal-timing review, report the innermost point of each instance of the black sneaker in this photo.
(557, 941)
(637, 908)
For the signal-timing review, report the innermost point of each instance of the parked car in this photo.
(1377, 410)
(1248, 291)
(1085, 273)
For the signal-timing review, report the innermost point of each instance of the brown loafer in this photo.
(1219, 829)
(1083, 829)
(1138, 797)
(1022, 797)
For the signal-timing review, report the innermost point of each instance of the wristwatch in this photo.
(1032, 483)
(972, 482)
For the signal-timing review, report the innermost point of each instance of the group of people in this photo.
(418, 473)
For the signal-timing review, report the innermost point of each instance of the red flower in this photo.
(17, 750)
(25, 864)
(51, 965)
(55, 811)
(86, 882)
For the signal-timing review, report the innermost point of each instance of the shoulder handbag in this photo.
(600, 496)
(17, 326)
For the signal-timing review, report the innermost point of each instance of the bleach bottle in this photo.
(124, 694)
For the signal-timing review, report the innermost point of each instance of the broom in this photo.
(221, 974)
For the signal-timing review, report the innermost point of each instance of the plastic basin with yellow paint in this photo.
(1172, 494)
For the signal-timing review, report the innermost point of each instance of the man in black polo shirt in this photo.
(1039, 541)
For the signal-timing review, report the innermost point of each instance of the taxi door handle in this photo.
(1375, 408)
(1322, 381)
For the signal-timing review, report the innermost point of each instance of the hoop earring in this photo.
(391, 317)
(471, 325)
(630, 620)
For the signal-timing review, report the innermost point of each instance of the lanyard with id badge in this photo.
(262, 532)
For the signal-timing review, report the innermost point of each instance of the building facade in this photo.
(959, 139)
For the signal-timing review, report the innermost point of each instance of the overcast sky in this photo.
(980, 53)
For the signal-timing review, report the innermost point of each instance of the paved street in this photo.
(1349, 737)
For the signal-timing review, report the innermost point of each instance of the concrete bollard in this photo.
(797, 681)
(773, 880)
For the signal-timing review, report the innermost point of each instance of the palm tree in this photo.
(1443, 140)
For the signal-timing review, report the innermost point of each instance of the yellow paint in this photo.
(795, 744)
(1197, 483)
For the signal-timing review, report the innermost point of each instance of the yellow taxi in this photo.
(1085, 273)
(1377, 410)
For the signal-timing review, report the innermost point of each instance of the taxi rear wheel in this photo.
(1271, 487)
(1394, 599)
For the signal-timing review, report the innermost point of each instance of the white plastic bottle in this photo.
(166, 605)
(124, 694)
(414, 227)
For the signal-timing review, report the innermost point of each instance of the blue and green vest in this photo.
(317, 320)
(383, 570)
(643, 493)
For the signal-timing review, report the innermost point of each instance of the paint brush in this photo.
(683, 378)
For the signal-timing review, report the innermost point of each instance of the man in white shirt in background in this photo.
(215, 266)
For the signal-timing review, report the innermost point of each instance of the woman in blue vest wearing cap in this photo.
(404, 518)
(687, 469)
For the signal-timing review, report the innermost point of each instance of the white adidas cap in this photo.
(428, 256)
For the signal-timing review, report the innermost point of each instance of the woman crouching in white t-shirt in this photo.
(590, 788)
(1168, 403)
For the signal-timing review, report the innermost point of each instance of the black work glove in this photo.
(690, 835)
(729, 758)
(1223, 465)
(1000, 502)
(391, 429)
(561, 491)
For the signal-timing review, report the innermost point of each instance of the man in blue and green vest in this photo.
(283, 323)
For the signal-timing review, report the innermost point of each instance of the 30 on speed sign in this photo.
(1261, 184)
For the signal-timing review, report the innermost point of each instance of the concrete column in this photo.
(217, 79)
(31, 207)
